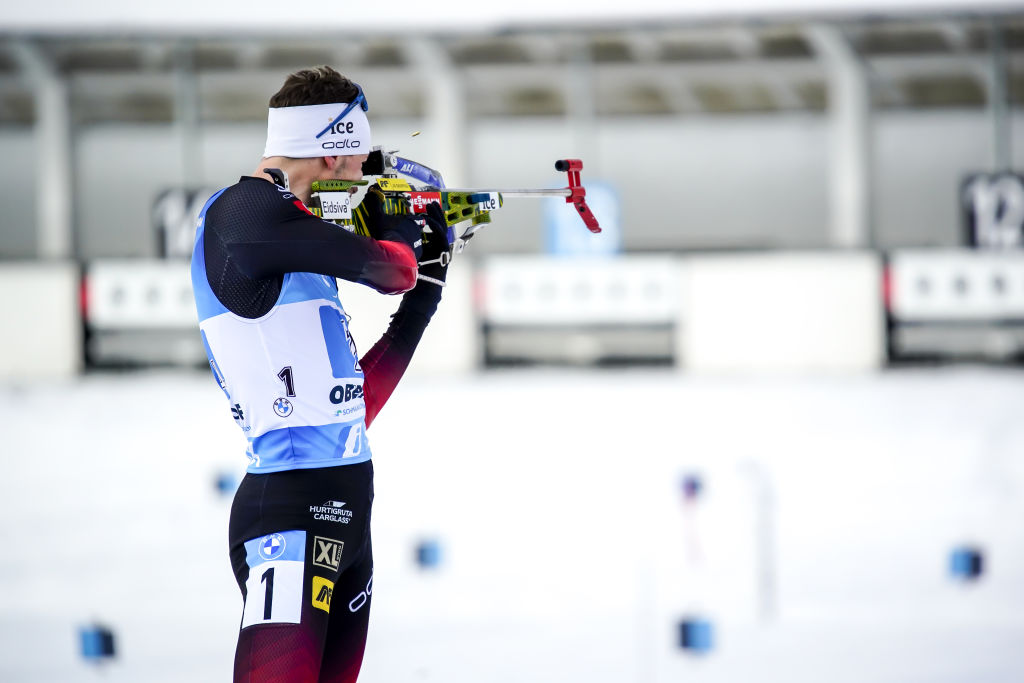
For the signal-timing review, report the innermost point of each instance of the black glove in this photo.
(437, 246)
(399, 227)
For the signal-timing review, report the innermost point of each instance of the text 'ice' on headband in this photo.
(318, 130)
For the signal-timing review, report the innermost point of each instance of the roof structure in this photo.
(675, 68)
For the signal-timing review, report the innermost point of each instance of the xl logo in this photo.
(327, 552)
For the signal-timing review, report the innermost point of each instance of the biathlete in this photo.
(277, 338)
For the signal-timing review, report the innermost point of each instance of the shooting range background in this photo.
(568, 549)
(763, 469)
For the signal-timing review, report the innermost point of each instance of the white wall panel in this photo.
(559, 292)
(140, 294)
(782, 312)
(42, 330)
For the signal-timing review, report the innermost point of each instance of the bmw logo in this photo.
(271, 546)
(283, 407)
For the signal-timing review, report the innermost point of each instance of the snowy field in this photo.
(819, 547)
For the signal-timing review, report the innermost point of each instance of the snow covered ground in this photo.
(819, 547)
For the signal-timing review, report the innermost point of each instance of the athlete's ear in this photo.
(330, 162)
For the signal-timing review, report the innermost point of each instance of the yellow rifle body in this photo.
(330, 199)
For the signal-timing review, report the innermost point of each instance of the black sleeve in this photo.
(384, 364)
(255, 232)
(269, 232)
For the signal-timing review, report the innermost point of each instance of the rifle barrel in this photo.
(564, 192)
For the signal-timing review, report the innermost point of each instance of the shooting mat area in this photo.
(549, 525)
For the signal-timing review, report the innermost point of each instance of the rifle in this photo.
(331, 199)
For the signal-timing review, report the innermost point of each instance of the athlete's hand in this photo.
(400, 227)
(437, 246)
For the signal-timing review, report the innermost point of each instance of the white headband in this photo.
(293, 131)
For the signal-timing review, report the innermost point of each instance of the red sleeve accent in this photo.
(395, 274)
(384, 364)
(383, 367)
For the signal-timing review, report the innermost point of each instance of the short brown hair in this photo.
(319, 85)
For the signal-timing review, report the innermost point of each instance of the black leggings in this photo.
(300, 549)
